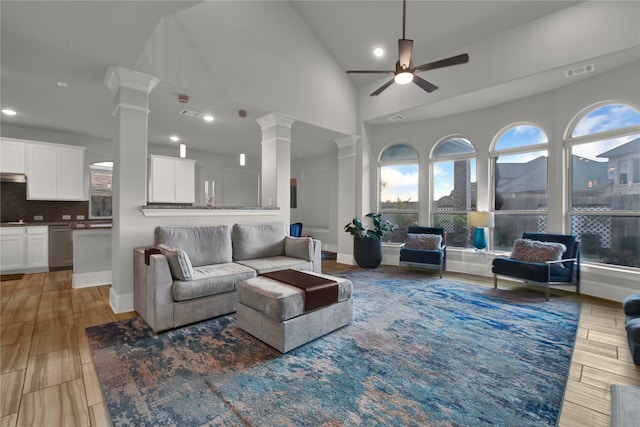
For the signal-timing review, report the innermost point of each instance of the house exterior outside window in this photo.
(398, 192)
(519, 165)
(100, 190)
(604, 148)
(454, 188)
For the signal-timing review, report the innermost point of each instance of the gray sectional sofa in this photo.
(191, 272)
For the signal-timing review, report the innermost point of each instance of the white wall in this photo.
(222, 169)
(552, 112)
(317, 181)
(205, 48)
(568, 37)
(209, 166)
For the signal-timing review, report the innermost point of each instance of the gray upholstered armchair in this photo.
(535, 261)
(425, 247)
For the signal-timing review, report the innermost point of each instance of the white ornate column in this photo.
(130, 115)
(347, 206)
(276, 162)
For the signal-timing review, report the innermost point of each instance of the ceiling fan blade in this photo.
(381, 88)
(429, 87)
(405, 47)
(369, 72)
(454, 60)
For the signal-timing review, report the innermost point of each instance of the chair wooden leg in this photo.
(546, 293)
(495, 281)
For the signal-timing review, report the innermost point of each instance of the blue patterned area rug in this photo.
(421, 351)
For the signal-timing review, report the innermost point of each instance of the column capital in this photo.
(275, 119)
(347, 141)
(117, 77)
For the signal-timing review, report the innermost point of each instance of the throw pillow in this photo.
(428, 242)
(536, 251)
(179, 262)
(299, 247)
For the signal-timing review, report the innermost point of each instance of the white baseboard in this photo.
(95, 278)
(345, 259)
(120, 303)
(329, 247)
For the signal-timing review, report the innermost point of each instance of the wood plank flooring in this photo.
(47, 376)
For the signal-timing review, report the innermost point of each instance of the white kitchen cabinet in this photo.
(71, 178)
(24, 249)
(37, 247)
(171, 180)
(12, 248)
(12, 156)
(55, 172)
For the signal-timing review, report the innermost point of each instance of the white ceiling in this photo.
(46, 42)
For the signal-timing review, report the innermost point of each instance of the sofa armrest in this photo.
(152, 289)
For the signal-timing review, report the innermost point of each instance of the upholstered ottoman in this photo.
(274, 312)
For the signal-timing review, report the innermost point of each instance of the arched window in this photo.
(604, 202)
(519, 164)
(398, 194)
(454, 191)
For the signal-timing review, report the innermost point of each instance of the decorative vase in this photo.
(367, 252)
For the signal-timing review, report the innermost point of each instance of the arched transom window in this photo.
(519, 165)
(398, 195)
(604, 202)
(454, 189)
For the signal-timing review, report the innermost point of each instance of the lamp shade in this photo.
(480, 219)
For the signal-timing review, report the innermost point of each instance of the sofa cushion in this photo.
(299, 247)
(536, 251)
(275, 263)
(210, 280)
(258, 240)
(204, 244)
(179, 262)
(280, 301)
(428, 242)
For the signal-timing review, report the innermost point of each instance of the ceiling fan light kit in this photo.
(405, 72)
(403, 78)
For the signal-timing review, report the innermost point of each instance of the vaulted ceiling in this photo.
(290, 57)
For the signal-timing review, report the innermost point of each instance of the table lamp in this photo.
(480, 220)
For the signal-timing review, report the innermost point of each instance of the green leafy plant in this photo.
(358, 230)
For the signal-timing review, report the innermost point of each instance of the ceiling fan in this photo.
(405, 72)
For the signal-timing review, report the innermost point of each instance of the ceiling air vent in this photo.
(395, 118)
(190, 113)
(579, 70)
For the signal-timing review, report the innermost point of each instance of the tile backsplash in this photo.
(14, 206)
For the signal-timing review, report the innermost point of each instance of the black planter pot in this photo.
(367, 252)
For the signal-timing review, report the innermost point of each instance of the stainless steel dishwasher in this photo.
(60, 247)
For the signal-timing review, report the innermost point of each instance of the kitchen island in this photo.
(91, 256)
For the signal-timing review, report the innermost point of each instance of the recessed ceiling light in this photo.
(378, 52)
(174, 138)
(9, 112)
(208, 118)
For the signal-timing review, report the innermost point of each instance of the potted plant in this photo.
(367, 243)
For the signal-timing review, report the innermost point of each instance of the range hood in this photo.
(12, 177)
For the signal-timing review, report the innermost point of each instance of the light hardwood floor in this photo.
(48, 377)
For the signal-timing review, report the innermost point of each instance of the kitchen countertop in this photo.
(86, 224)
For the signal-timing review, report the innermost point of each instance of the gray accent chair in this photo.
(217, 258)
